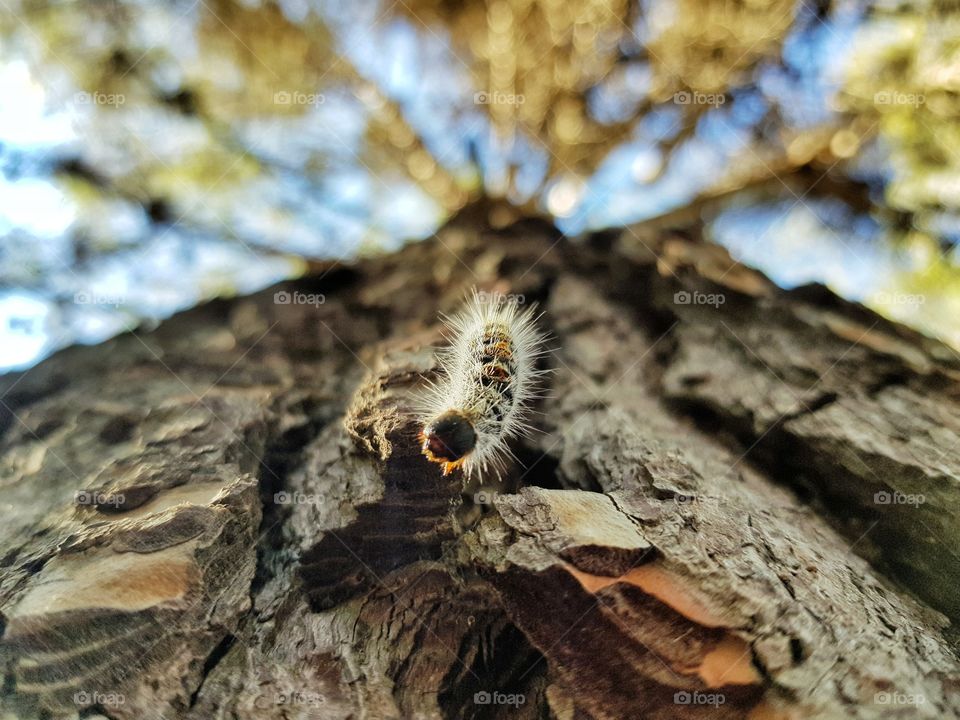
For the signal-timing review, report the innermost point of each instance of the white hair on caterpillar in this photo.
(489, 379)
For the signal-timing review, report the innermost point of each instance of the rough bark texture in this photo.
(695, 533)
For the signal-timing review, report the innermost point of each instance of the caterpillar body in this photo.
(489, 378)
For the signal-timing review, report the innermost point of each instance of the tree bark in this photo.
(741, 502)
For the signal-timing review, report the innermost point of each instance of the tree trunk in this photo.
(743, 503)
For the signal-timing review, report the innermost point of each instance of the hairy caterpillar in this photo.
(489, 379)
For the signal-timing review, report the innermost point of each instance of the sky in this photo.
(248, 235)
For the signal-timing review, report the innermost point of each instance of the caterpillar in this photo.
(489, 378)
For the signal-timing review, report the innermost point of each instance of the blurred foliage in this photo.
(905, 78)
(706, 46)
(156, 153)
(906, 74)
(535, 64)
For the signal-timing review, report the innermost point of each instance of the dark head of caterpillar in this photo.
(448, 439)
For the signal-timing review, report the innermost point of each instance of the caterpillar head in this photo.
(448, 439)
